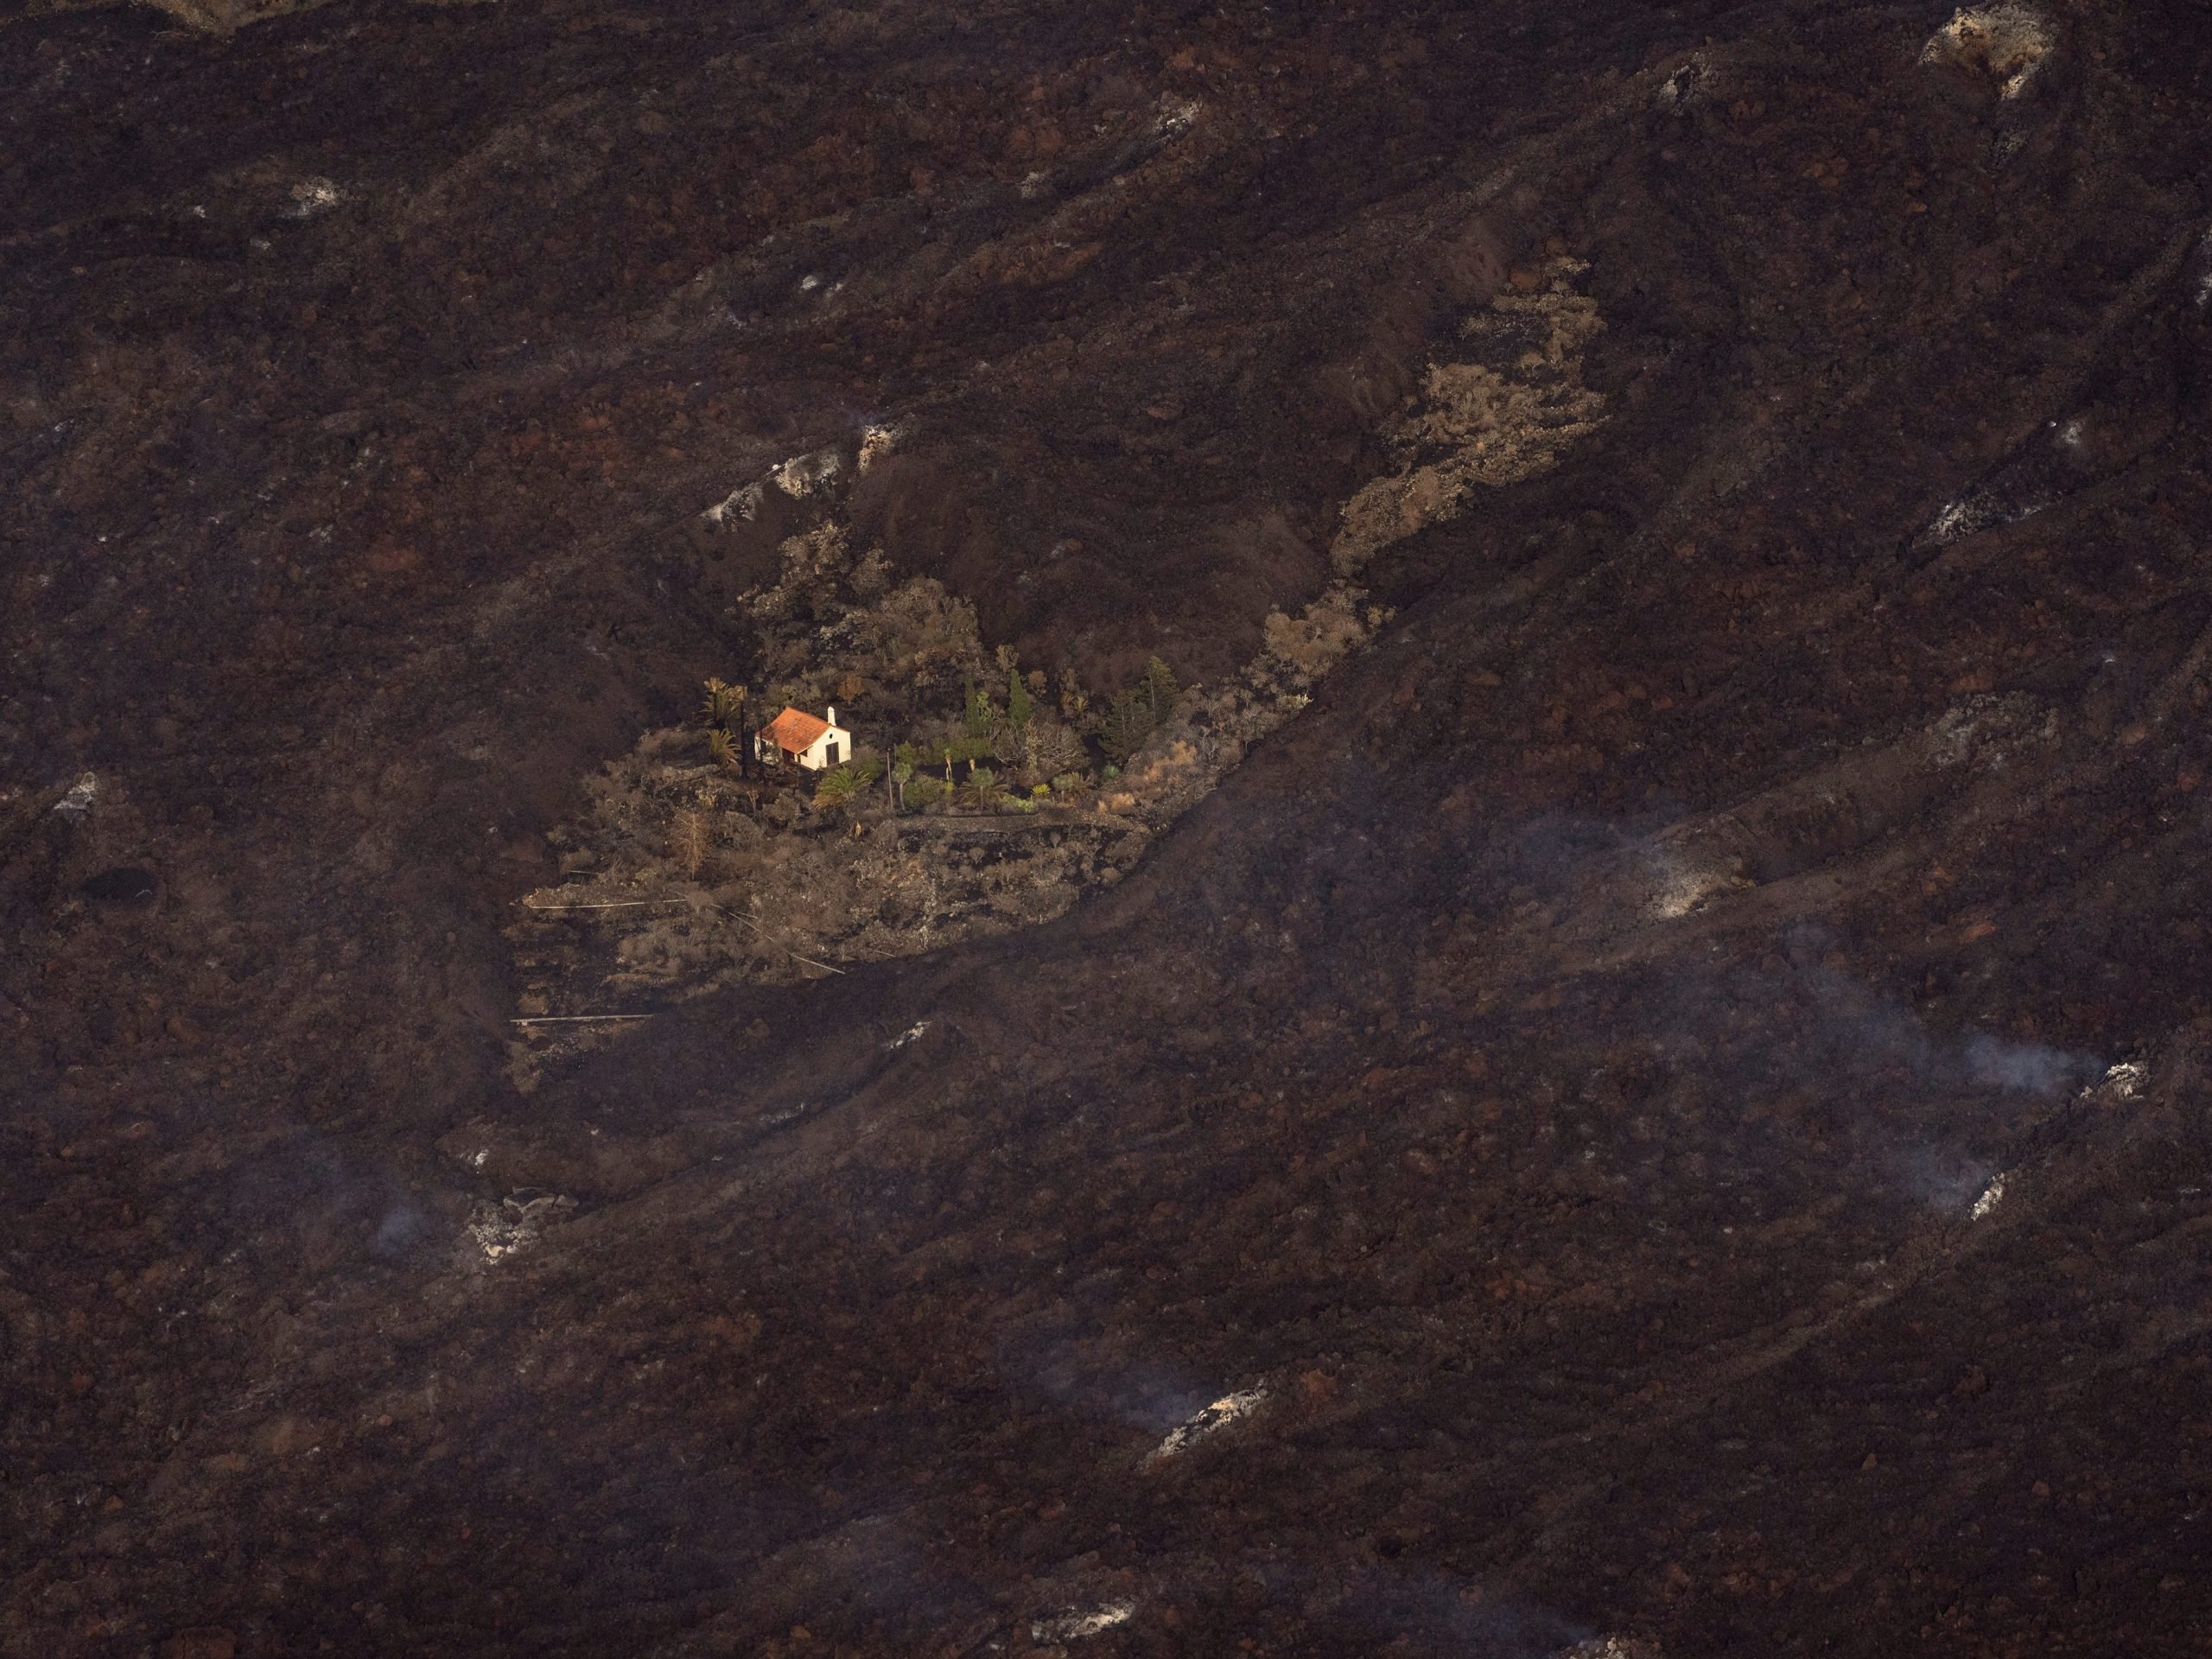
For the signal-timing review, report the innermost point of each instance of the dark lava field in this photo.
(1667, 1114)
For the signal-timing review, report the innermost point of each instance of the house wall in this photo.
(817, 757)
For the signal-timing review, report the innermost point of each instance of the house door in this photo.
(830, 754)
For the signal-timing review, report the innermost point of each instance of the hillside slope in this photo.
(1668, 1106)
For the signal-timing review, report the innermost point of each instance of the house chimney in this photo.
(833, 714)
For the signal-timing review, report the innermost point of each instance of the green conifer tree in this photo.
(1125, 725)
(1160, 690)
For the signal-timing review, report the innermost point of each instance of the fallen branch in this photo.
(618, 904)
(760, 933)
(574, 1019)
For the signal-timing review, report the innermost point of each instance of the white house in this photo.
(799, 738)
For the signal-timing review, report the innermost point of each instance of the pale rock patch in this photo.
(79, 798)
(1074, 1626)
(1510, 412)
(1203, 1424)
(514, 1223)
(2008, 43)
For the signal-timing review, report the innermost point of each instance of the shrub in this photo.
(1048, 749)
(1075, 702)
(981, 715)
(1312, 644)
(917, 636)
(837, 787)
(983, 788)
(967, 751)
(840, 621)
(925, 790)
(690, 837)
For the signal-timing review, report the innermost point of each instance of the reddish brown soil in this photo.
(1608, 1272)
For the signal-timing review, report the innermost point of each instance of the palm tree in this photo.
(983, 788)
(724, 703)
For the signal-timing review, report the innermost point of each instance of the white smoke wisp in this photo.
(402, 1226)
(2025, 1068)
(1865, 1026)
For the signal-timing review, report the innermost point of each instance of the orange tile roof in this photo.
(794, 731)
